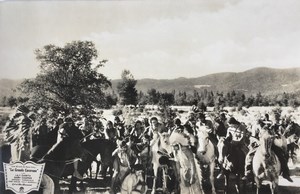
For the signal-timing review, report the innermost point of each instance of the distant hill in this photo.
(264, 80)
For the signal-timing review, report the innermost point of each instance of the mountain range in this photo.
(264, 80)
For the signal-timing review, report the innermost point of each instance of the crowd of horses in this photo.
(173, 159)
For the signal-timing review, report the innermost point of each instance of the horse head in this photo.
(266, 165)
(203, 141)
(224, 146)
(164, 143)
(266, 141)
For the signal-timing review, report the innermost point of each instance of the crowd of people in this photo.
(136, 140)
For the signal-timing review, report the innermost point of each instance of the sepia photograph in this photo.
(149, 97)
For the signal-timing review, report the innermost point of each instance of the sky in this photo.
(155, 39)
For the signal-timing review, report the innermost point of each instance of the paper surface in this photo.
(23, 177)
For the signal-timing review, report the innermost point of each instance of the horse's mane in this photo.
(264, 134)
(178, 138)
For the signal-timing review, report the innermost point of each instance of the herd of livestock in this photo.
(166, 153)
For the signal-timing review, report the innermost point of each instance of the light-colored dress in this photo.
(189, 169)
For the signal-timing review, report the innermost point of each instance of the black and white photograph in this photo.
(150, 97)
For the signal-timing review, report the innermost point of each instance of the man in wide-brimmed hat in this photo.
(68, 135)
(238, 134)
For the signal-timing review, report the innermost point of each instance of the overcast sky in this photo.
(155, 39)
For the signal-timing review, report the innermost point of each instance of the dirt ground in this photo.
(100, 186)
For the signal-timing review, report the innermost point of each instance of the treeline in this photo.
(199, 98)
(12, 101)
(216, 99)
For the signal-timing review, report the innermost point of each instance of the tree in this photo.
(126, 89)
(22, 100)
(192, 99)
(166, 99)
(4, 101)
(210, 99)
(181, 99)
(250, 101)
(142, 98)
(111, 99)
(219, 101)
(12, 101)
(153, 96)
(68, 78)
(202, 106)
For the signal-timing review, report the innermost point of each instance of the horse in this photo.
(57, 166)
(98, 134)
(266, 165)
(233, 160)
(133, 184)
(106, 160)
(53, 168)
(292, 134)
(206, 155)
(169, 175)
(124, 158)
(98, 163)
(92, 150)
(160, 149)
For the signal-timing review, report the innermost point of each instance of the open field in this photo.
(5, 111)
